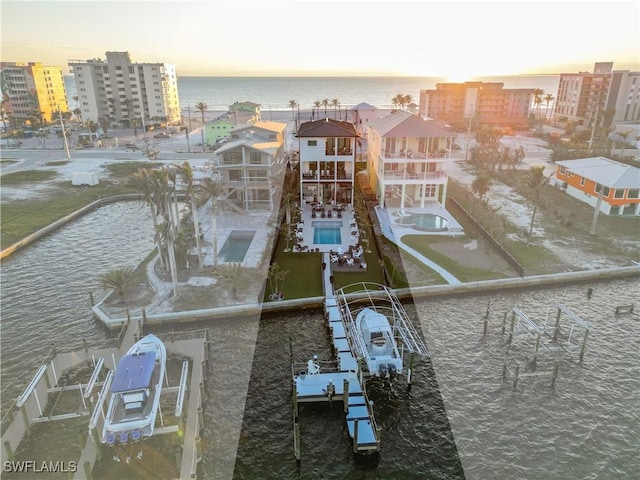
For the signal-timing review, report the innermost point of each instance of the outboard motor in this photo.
(392, 370)
(382, 370)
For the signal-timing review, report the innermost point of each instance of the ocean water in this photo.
(459, 420)
(275, 92)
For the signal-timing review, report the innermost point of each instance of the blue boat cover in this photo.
(133, 372)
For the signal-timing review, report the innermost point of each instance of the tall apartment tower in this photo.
(488, 103)
(611, 95)
(31, 92)
(121, 91)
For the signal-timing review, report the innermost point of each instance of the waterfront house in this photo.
(407, 160)
(362, 114)
(217, 129)
(252, 108)
(250, 166)
(327, 156)
(586, 178)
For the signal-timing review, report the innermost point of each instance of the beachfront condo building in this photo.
(126, 94)
(604, 96)
(407, 160)
(482, 103)
(32, 93)
(327, 158)
(251, 167)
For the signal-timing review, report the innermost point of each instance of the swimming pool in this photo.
(327, 233)
(236, 246)
(426, 222)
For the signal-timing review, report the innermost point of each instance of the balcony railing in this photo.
(325, 175)
(437, 176)
(415, 155)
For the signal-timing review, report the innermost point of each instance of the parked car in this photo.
(131, 146)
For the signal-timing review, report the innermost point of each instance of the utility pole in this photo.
(593, 128)
(596, 211)
(64, 136)
(466, 149)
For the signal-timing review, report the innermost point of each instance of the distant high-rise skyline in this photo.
(458, 40)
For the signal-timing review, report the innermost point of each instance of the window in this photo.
(633, 193)
(605, 190)
(232, 158)
(255, 158)
(562, 170)
(312, 143)
(582, 181)
(618, 193)
(234, 175)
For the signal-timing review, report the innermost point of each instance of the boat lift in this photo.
(353, 298)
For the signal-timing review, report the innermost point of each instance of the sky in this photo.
(458, 40)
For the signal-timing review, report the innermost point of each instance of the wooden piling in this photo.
(93, 303)
(7, 450)
(556, 330)
(584, 344)
(355, 435)
(554, 375)
(513, 322)
(88, 473)
(144, 316)
(198, 443)
(515, 380)
(410, 371)
(296, 439)
(345, 395)
(504, 322)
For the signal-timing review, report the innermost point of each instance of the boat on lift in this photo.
(135, 392)
(381, 351)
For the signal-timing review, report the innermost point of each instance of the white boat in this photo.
(380, 352)
(135, 392)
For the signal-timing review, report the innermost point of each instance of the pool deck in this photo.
(306, 234)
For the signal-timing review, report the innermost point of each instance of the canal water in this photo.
(459, 420)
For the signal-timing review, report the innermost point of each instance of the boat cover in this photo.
(134, 372)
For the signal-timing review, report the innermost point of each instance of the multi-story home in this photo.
(605, 96)
(587, 178)
(248, 166)
(486, 103)
(219, 128)
(249, 107)
(407, 160)
(327, 157)
(122, 92)
(32, 92)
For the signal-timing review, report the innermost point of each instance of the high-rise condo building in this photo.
(31, 93)
(124, 92)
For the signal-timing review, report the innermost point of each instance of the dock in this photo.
(51, 380)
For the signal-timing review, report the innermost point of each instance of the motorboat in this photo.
(135, 392)
(380, 352)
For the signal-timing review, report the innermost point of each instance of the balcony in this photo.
(437, 176)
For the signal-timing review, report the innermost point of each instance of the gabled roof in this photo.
(405, 124)
(604, 171)
(257, 143)
(364, 106)
(277, 127)
(249, 104)
(327, 127)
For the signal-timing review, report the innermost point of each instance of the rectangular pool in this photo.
(326, 233)
(236, 246)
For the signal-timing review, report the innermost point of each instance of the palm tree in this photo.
(167, 236)
(293, 104)
(42, 136)
(213, 189)
(334, 103)
(548, 98)
(118, 279)
(407, 99)
(276, 276)
(325, 104)
(535, 181)
(537, 100)
(201, 106)
(146, 183)
(235, 275)
(623, 136)
(187, 173)
(480, 185)
(316, 105)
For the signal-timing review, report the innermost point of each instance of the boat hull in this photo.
(135, 392)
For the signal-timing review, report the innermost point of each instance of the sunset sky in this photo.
(456, 39)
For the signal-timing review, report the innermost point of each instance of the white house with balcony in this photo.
(407, 160)
(327, 157)
(251, 166)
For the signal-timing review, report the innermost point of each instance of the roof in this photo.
(257, 143)
(364, 106)
(277, 127)
(327, 127)
(249, 104)
(604, 171)
(134, 372)
(406, 124)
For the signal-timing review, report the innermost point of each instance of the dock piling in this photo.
(345, 395)
(8, 451)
